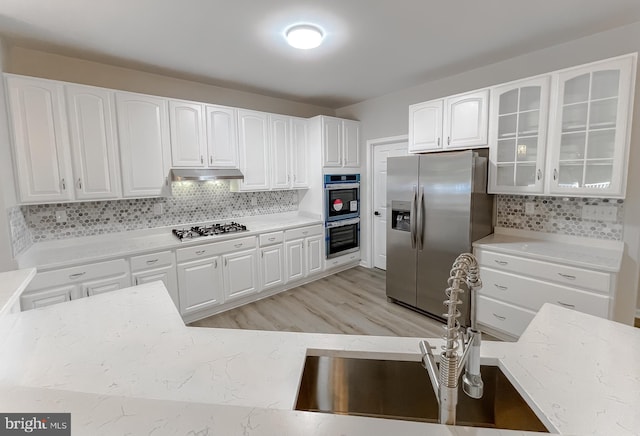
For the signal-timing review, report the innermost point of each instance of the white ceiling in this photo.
(372, 47)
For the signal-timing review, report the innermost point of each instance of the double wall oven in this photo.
(342, 213)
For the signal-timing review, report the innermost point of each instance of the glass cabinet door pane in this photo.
(574, 117)
(601, 144)
(570, 175)
(529, 98)
(576, 90)
(527, 149)
(525, 175)
(505, 175)
(506, 150)
(605, 84)
(597, 175)
(508, 102)
(507, 126)
(603, 114)
(528, 123)
(572, 146)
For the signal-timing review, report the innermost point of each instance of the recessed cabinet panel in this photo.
(103, 285)
(295, 259)
(332, 142)
(425, 126)
(314, 254)
(55, 295)
(300, 153)
(280, 144)
(41, 142)
(272, 266)
(240, 274)
(94, 143)
(222, 140)
(200, 284)
(466, 120)
(254, 150)
(351, 143)
(188, 147)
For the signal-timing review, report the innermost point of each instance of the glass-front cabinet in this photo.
(517, 136)
(589, 133)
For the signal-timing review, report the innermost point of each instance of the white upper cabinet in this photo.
(143, 127)
(253, 144)
(41, 142)
(590, 128)
(188, 142)
(94, 142)
(280, 145)
(459, 121)
(518, 136)
(340, 142)
(222, 138)
(299, 153)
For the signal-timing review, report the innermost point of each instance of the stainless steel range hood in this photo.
(204, 174)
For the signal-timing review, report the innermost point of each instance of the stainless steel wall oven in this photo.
(342, 237)
(342, 196)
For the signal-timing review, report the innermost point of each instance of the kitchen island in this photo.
(124, 363)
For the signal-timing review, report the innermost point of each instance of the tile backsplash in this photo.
(20, 235)
(190, 203)
(558, 215)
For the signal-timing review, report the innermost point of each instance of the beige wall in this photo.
(52, 66)
(7, 189)
(388, 116)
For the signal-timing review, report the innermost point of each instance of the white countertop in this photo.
(575, 251)
(123, 362)
(69, 252)
(12, 283)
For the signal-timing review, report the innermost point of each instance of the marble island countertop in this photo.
(68, 252)
(124, 363)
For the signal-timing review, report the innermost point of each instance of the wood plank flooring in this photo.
(350, 302)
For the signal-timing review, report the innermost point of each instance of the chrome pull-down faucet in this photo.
(445, 379)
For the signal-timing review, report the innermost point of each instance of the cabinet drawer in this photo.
(532, 294)
(271, 238)
(77, 274)
(153, 260)
(207, 250)
(567, 275)
(342, 260)
(302, 232)
(503, 316)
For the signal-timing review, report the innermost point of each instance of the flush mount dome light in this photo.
(304, 36)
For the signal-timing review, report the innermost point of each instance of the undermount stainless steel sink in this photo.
(402, 390)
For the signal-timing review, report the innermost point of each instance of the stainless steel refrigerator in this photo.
(437, 205)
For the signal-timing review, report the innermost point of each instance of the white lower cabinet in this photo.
(515, 287)
(272, 260)
(240, 274)
(303, 250)
(152, 267)
(57, 286)
(200, 284)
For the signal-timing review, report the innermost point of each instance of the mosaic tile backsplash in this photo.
(191, 203)
(20, 234)
(558, 215)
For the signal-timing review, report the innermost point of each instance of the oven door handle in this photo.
(332, 187)
(412, 217)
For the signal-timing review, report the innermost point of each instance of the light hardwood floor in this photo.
(350, 302)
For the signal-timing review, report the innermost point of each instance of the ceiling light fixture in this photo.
(304, 36)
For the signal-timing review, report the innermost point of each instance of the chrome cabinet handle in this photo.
(438, 142)
(226, 262)
(76, 275)
(64, 185)
(151, 262)
(570, 306)
(135, 281)
(502, 288)
(79, 183)
(202, 159)
(294, 178)
(501, 318)
(555, 174)
(239, 245)
(501, 262)
(567, 276)
(215, 263)
(305, 233)
(539, 174)
(201, 252)
(272, 239)
(448, 140)
(211, 160)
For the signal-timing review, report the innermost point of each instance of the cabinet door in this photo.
(299, 153)
(253, 143)
(105, 284)
(589, 138)
(46, 297)
(280, 145)
(466, 120)
(332, 142)
(351, 143)
(143, 128)
(188, 146)
(314, 254)
(200, 284)
(296, 260)
(518, 136)
(240, 274)
(222, 139)
(41, 143)
(166, 275)
(425, 126)
(94, 142)
(272, 266)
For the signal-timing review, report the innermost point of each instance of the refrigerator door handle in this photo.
(412, 222)
(420, 218)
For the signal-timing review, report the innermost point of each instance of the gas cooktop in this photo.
(211, 230)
